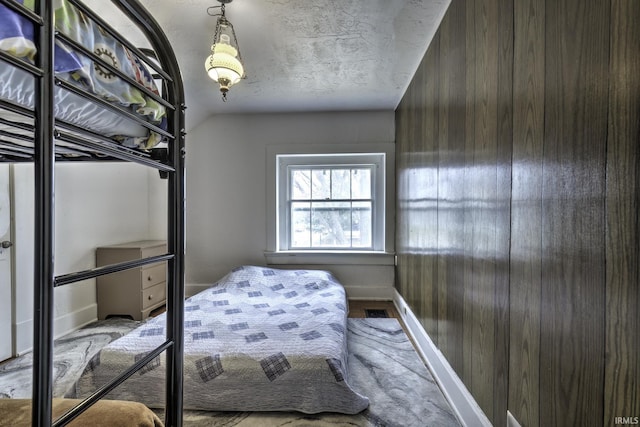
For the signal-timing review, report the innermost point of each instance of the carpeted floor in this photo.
(383, 365)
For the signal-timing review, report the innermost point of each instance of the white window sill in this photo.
(330, 258)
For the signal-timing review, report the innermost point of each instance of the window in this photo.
(331, 202)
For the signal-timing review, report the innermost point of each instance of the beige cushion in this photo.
(105, 413)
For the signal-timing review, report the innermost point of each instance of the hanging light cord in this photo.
(224, 17)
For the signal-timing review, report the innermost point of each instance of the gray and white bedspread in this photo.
(260, 339)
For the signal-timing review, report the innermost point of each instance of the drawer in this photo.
(153, 275)
(153, 295)
(153, 251)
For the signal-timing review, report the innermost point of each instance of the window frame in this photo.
(273, 256)
(374, 161)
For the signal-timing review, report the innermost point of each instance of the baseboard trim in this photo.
(23, 336)
(373, 293)
(75, 320)
(462, 402)
(63, 325)
(511, 420)
(190, 289)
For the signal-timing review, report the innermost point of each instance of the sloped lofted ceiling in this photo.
(300, 55)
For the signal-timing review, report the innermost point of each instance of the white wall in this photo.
(96, 204)
(227, 188)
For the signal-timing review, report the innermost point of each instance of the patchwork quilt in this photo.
(16, 38)
(260, 339)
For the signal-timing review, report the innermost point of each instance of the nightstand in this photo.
(134, 292)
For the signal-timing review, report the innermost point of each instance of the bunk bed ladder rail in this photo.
(176, 212)
(44, 226)
(44, 161)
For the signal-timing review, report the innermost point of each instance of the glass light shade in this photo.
(223, 65)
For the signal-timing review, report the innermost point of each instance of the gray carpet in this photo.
(382, 364)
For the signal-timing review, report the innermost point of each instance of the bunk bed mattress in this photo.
(17, 86)
(16, 38)
(260, 339)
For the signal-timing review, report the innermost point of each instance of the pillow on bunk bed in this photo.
(104, 413)
(16, 38)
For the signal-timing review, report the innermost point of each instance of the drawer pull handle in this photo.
(150, 297)
(149, 278)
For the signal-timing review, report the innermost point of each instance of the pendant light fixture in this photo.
(224, 65)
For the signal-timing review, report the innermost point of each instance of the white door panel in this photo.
(6, 300)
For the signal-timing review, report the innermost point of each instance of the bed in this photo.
(73, 88)
(260, 339)
(90, 94)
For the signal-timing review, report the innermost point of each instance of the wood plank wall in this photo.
(518, 236)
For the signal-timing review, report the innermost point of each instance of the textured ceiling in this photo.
(300, 55)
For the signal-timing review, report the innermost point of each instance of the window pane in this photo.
(362, 225)
(341, 184)
(331, 201)
(301, 184)
(361, 183)
(300, 225)
(321, 180)
(330, 224)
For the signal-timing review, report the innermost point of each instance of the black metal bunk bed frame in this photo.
(170, 163)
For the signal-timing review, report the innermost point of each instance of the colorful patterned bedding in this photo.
(16, 38)
(260, 339)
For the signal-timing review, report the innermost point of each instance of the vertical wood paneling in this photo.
(402, 221)
(413, 271)
(482, 204)
(504, 155)
(416, 231)
(426, 190)
(525, 115)
(468, 179)
(572, 344)
(451, 146)
(526, 211)
(622, 368)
